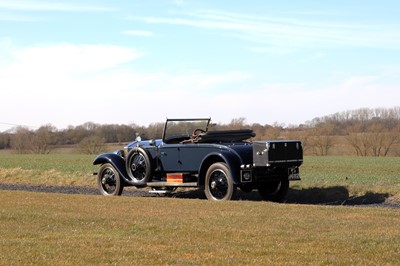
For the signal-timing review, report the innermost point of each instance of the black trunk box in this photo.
(277, 152)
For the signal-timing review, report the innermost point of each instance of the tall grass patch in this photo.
(50, 169)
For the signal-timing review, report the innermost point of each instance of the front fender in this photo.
(119, 164)
(232, 160)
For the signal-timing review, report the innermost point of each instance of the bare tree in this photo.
(274, 131)
(154, 130)
(374, 140)
(380, 139)
(237, 123)
(91, 145)
(392, 138)
(4, 140)
(321, 139)
(42, 139)
(358, 143)
(20, 140)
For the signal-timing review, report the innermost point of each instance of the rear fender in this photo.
(231, 159)
(119, 164)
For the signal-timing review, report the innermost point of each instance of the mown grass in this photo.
(56, 229)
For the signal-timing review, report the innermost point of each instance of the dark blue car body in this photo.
(218, 161)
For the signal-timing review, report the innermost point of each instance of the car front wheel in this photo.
(218, 183)
(109, 181)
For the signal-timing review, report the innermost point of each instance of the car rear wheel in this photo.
(218, 183)
(109, 181)
(274, 191)
(138, 165)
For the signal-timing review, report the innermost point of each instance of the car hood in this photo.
(143, 143)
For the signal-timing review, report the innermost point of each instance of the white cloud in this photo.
(69, 58)
(295, 103)
(59, 84)
(35, 5)
(68, 84)
(17, 18)
(141, 33)
(284, 33)
(72, 84)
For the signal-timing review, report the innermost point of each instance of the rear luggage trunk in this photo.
(277, 153)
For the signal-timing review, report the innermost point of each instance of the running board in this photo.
(172, 184)
(160, 191)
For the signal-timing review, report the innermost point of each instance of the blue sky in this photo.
(69, 62)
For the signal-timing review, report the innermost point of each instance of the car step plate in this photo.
(169, 184)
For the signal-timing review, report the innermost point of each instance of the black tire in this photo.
(274, 191)
(109, 181)
(138, 165)
(218, 183)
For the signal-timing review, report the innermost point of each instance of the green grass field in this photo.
(52, 169)
(58, 229)
(355, 176)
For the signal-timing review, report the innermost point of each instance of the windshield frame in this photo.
(197, 123)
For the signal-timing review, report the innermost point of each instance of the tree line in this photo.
(361, 132)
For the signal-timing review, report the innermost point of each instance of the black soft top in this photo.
(226, 135)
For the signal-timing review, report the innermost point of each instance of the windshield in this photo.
(184, 127)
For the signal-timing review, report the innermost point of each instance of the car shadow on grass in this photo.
(336, 195)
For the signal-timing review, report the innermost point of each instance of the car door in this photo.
(192, 155)
(170, 157)
(182, 157)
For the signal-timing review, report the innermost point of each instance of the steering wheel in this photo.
(196, 132)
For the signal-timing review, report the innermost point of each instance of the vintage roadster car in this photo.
(191, 155)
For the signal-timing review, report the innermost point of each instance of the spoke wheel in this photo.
(109, 181)
(138, 166)
(274, 191)
(219, 184)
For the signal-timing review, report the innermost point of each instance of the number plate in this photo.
(293, 173)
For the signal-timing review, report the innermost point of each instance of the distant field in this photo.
(356, 176)
(59, 229)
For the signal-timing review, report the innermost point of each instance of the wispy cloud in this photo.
(35, 5)
(286, 32)
(141, 33)
(17, 17)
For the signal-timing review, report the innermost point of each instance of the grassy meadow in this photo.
(322, 176)
(60, 229)
(51, 169)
